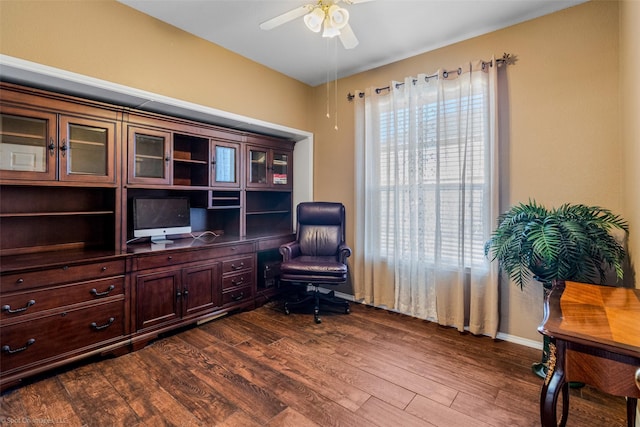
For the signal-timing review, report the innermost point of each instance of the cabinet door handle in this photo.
(95, 326)
(7, 307)
(178, 294)
(167, 158)
(185, 293)
(63, 147)
(8, 350)
(95, 292)
(237, 267)
(52, 147)
(238, 297)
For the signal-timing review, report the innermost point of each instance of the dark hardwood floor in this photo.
(263, 368)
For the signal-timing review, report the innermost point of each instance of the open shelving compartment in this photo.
(268, 212)
(190, 160)
(46, 218)
(203, 218)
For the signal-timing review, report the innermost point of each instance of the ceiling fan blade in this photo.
(285, 17)
(348, 38)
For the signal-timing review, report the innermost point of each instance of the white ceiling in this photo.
(388, 30)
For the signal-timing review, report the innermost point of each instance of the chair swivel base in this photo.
(316, 297)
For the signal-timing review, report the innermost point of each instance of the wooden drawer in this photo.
(237, 264)
(235, 280)
(19, 304)
(40, 339)
(169, 258)
(237, 295)
(64, 274)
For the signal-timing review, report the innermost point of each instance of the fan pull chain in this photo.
(327, 77)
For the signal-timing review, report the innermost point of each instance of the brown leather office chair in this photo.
(318, 256)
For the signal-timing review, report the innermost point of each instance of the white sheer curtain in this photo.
(427, 197)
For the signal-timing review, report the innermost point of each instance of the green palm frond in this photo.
(571, 242)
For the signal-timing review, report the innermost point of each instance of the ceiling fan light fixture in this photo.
(329, 30)
(337, 16)
(314, 19)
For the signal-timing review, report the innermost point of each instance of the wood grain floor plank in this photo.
(492, 414)
(441, 415)
(205, 404)
(384, 390)
(95, 401)
(291, 418)
(39, 409)
(144, 395)
(384, 414)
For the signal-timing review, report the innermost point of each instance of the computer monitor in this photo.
(159, 217)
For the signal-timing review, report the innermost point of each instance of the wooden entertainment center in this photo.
(74, 281)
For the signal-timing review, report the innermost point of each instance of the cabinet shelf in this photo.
(142, 157)
(37, 138)
(46, 214)
(83, 142)
(193, 162)
(267, 212)
(225, 207)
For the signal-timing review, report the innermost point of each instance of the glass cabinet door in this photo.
(280, 169)
(258, 166)
(225, 164)
(149, 158)
(27, 144)
(86, 150)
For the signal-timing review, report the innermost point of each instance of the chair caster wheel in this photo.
(317, 320)
(347, 310)
(287, 311)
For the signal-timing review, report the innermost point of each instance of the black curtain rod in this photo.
(506, 59)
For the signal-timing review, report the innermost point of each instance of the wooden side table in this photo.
(595, 339)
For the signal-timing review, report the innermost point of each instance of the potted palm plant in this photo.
(573, 242)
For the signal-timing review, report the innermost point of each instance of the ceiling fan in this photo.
(324, 15)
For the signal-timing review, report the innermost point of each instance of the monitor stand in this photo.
(160, 240)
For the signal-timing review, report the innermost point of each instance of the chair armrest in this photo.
(290, 250)
(344, 252)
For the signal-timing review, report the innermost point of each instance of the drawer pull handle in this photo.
(7, 308)
(237, 267)
(95, 292)
(7, 349)
(239, 282)
(103, 268)
(20, 281)
(95, 326)
(238, 297)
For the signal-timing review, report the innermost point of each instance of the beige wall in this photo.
(562, 120)
(110, 41)
(630, 111)
(560, 123)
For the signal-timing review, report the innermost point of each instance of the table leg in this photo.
(553, 385)
(632, 403)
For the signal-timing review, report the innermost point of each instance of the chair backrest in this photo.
(320, 228)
